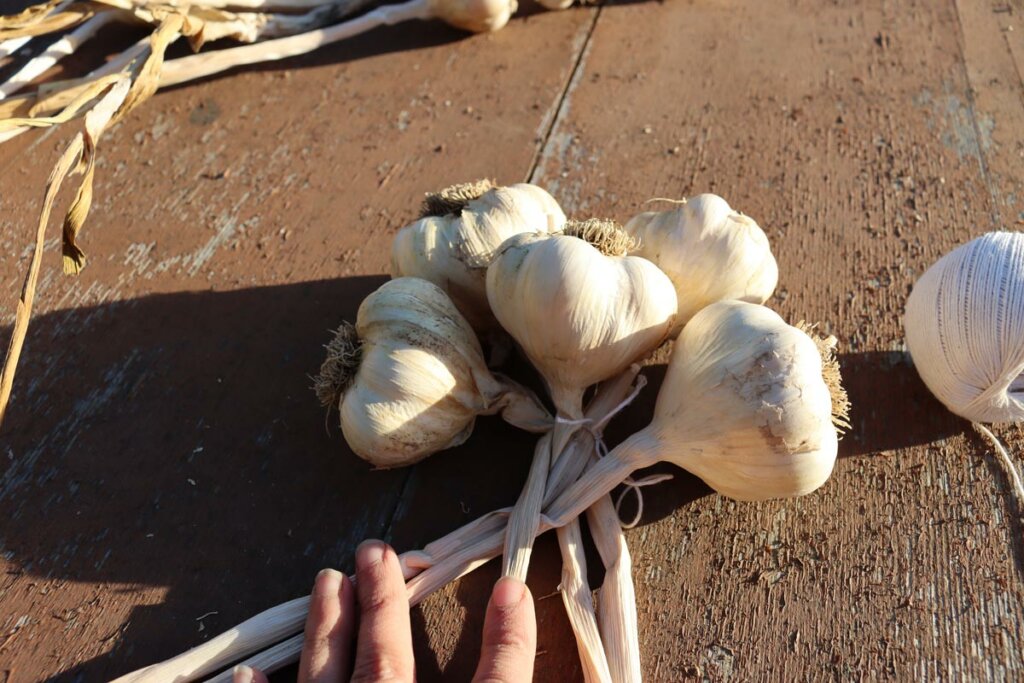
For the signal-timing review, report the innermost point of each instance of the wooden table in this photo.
(167, 472)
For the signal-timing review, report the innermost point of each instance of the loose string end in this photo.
(1004, 455)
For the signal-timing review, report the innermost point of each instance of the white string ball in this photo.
(965, 328)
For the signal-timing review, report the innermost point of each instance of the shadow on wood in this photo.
(172, 441)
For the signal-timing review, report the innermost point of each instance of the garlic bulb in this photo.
(965, 328)
(409, 378)
(556, 4)
(477, 16)
(709, 251)
(580, 312)
(749, 404)
(461, 230)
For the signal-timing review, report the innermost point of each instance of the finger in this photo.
(510, 635)
(245, 674)
(330, 626)
(384, 645)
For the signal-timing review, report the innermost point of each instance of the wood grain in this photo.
(241, 217)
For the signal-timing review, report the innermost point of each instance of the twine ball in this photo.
(965, 328)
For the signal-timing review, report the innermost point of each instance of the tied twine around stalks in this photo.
(596, 428)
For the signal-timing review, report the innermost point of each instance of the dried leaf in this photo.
(82, 97)
(64, 165)
(96, 121)
(43, 23)
(30, 15)
(73, 159)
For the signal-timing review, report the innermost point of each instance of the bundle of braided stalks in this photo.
(269, 30)
(409, 379)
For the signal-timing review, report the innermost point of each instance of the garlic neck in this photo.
(639, 450)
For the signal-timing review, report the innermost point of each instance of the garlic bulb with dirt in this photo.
(460, 231)
(749, 404)
(581, 308)
(709, 251)
(409, 378)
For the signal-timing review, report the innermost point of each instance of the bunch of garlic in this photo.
(409, 378)
(750, 404)
(460, 232)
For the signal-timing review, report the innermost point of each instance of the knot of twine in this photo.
(596, 429)
(635, 485)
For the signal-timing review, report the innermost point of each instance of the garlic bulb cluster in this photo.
(409, 379)
(580, 308)
(965, 328)
(749, 404)
(709, 251)
(462, 228)
(476, 16)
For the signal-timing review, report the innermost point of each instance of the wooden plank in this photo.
(167, 471)
(855, 134)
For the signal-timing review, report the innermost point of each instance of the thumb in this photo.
(510, 635)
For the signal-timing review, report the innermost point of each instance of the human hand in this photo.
(383, 644)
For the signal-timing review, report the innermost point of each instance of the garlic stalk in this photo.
(409, 379)
(63, 47)
(460, 232)
(709, 251)
(476, 16)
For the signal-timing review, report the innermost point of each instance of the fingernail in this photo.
(323, 573)
(369, 553)
(242, 674)
(508, 592)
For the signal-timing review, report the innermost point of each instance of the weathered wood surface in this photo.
(167, 473)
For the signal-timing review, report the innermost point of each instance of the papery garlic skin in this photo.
(744, 405)
(579, 315)
(454, 251)
(709, 251)
(421, 379)
(477, 16)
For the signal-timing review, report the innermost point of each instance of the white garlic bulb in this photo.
(749, 404)
(965, 328)
(580, 313)
(709, 251)
(477, 16)
(463, 226)
(409, 378)
(556, 4)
